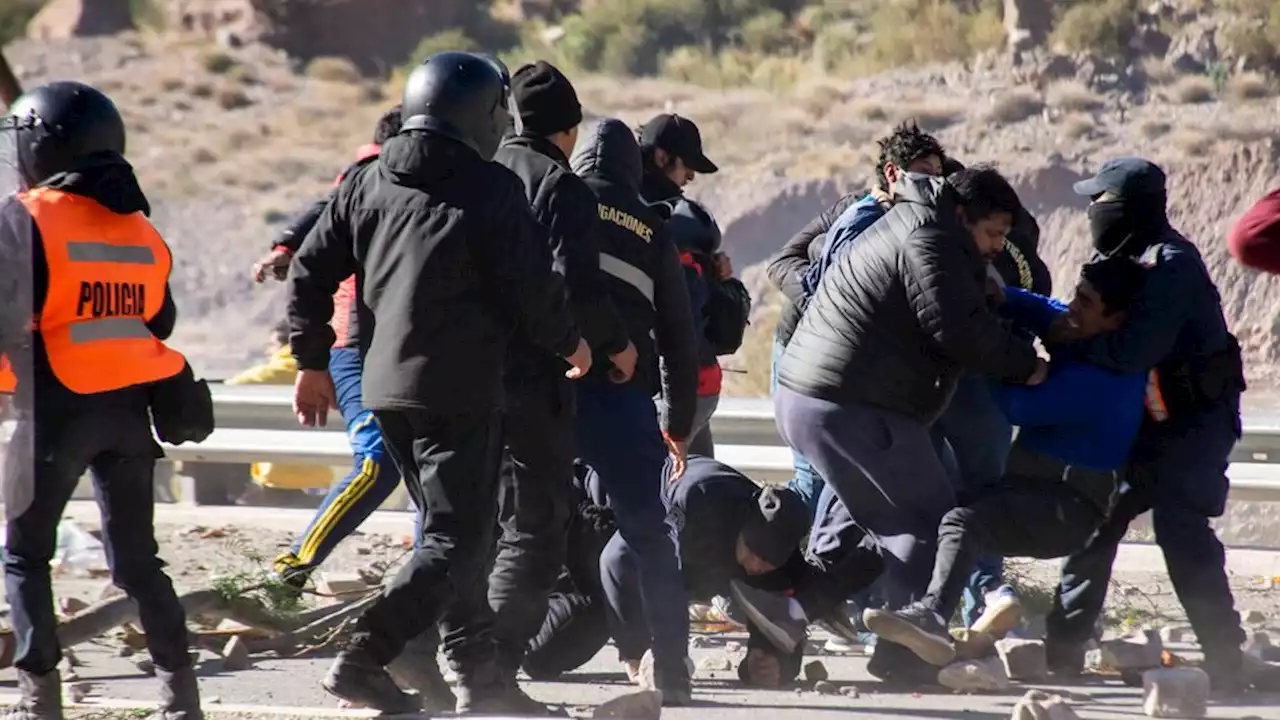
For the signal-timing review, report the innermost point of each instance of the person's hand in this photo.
(995, 292)
(679, 451)
(763, 668)
(624, 364)
(1042, 371)
(724, 266)
(580, 360)
(313, 397)
(275, 262)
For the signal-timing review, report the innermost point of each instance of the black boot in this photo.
(674, 683)
(358, 679)
(488, 691)
(417, 669)
(1066, 659)
(771, 614)
(41, 697)
(179, 695)
(1226, 669)
(895, 665)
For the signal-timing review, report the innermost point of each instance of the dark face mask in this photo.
(1111, 227)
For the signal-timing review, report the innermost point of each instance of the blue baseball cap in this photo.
(1126, 177)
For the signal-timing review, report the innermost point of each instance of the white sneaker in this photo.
(837, 645)
(1002, 614)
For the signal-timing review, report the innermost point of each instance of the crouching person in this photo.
(1077, 430)
(729, 529)
(96, 285)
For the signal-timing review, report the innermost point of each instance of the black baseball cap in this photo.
(680, 137)
(1125, 177)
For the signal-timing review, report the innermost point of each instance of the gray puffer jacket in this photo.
(900, 315)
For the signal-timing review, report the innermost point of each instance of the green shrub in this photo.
(1098, 26)
(444, 41)
(916, 32)
(768, 32)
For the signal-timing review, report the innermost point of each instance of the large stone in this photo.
(1175, 692)
(1136, 651)
(643, 705)
(62, 19)
(1039, 705)
(1023, 659)
(986, 675)
(1174, 634)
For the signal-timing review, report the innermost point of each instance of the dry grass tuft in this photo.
(1250, 86)
(201, 90)
(1192, 142)
(217, 62)
(233, 99)
(1014, 107)
(1192, 90)
(1154, 129)
(1073, 97)
(334, 69)
(930, 117)
(1078, 127)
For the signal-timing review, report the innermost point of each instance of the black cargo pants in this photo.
(53, 449)
(450, 466)
(533, 513)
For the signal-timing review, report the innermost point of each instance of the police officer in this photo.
(98, 282)
(1178, 466)
(449, 262)
(538, 424)
(617, 427)
(671, 147)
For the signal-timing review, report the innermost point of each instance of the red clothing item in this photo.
(1254, 241)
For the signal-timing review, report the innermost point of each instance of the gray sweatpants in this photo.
(883, 468)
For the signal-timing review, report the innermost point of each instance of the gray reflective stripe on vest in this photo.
(629, 274)
(91, 251)
(112, 328)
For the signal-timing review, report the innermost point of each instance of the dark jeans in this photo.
(701, 441)
(450, 465)
(1033, 512)
(617, 434)
(533, 511)
(116, 443)
(883, 468)
(978, 435)
(371, 481)
(1179, 473)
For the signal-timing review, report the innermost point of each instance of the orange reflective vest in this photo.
(107, 275)
(8, 381)
(1157, 410)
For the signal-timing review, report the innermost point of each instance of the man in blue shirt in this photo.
(1076, 432)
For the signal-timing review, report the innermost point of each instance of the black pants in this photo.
(53, 450)
(533, 514)
(842, 559)
(1039, 510)
(450, 468)
(575, 629)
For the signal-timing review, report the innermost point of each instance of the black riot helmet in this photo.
(692, 227)
(461, 95)
(63, 126)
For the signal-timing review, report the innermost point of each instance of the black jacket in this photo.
(642, 272)
(787, 268)
(897, 317)
(449, 261)
(24, 286)
(1020, 264)
(567, 208)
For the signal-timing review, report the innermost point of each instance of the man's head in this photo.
(548, 104)
(673, 145)
(907, 149)
(64, 126)
(986, 205)
(460, 95)
(1129, 196)
(388, 126)
(1103, 295)
(772, 531)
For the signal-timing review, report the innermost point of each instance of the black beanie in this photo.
(545, 99)
(775, 525)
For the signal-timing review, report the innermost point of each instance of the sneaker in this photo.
(920, 630)
(1002, 614)
(836, 645)
(41, 697)
(487, 693)
(356, 678)
(840, 626)
(416, 669)
(674, 683)
(771, 614)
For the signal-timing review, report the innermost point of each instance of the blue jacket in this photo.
(1082, 414)
(852, 222)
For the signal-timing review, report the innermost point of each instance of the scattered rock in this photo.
(715, 662)
(145, 666)
(815, 671)
(850, 691)
(76, 692)
(1171, 634)
(235, 654)
(1023, 659)
(373, 575)
(733, 646)
(972, 645)
(643, 705)
(1175, 692)
(987, 675)
(1255, 617)
(333, 583)
(1136, 651)
(826, 687)
(1040, 705)
(697, 641)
